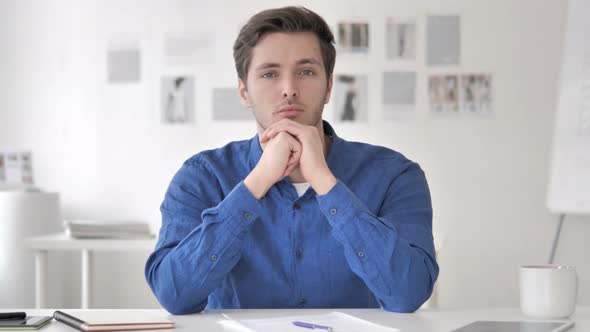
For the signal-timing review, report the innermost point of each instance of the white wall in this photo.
(103, 149)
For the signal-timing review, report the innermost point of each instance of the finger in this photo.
(271, 130)
(269, 133)
(296, 153)
(283, 123)
(290, 168)
(294, 130)
(293, 160)
(266, 136)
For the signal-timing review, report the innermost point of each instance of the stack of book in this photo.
(107, 229)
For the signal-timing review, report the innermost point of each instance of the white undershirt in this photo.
(301, 188)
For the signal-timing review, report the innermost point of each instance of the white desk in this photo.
(43, 244)
(424, 320)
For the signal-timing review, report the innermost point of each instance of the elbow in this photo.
(179, 308)
(175, 303)
(402, 307)
(170, 296)
(408, 302)
(405, 305)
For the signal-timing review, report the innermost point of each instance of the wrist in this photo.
(323, 182)
(255, 184)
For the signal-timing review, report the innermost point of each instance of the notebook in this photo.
(29, 323)
(112, 320)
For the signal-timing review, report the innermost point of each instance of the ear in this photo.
(243, 93)
(329, 89)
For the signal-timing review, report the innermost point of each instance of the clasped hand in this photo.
(290, 146)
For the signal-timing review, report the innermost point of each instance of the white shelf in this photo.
(65, 242)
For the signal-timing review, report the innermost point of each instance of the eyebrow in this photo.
(306, 61)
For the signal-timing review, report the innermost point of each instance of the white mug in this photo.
(548, 291)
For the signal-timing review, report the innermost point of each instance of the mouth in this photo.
(289, 112)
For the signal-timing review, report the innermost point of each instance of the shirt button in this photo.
(361, 253)
(333, 211)
(302, 301)
(213, 258)
(247, 215)
(296, 206)
(299, 253)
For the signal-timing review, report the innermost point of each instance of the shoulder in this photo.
(211, 173)
(230, 154)
(357, 151)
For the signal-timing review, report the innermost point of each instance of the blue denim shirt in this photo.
(367, 243)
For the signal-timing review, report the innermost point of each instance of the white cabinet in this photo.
(22, 215)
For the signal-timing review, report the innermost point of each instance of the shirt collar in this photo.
(256, 149)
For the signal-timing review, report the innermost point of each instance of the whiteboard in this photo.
(569, 177)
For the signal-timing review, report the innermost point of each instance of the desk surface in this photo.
(65, 242)
(424, 320)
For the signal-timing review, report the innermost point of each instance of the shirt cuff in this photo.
(237, 211)
(340, 205)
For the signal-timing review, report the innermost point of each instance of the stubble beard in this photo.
(315, 120)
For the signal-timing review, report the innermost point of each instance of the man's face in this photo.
(286, 79)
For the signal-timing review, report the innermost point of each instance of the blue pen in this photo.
(313, 326)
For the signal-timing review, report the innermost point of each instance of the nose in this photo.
(290, 88)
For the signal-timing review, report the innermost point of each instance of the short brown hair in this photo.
(285, 19)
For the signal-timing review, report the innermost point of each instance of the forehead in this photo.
(286, 47)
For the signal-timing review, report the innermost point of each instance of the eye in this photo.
(307, 72)
(269, 75)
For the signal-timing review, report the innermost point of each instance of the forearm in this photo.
(183, 277)
(183, 271)
(396, 262)
(401, 275)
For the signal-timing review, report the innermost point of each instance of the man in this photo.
(295, 217)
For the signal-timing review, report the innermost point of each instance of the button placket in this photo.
(299, 253)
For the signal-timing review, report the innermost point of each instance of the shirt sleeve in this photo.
(198, 243)
(393, 251)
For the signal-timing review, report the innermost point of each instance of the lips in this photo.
(289, 111)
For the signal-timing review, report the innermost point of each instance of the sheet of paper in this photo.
(443, 42)
(350, 98)
(399, 93)
(400, 39)
(340, 322)
(123, 59)
(569, 181)
(177, 99)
